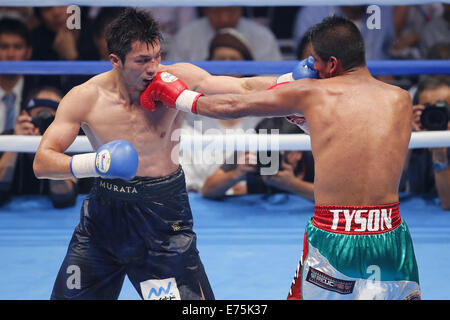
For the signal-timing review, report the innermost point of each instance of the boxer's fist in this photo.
(171, 91)
(117, 160)
(304, 69)
(114, 160)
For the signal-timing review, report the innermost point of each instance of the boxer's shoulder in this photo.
(80, 99)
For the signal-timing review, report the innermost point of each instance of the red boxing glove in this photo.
(171, 91)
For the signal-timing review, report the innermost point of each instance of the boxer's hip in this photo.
(141, 188)
(358, 253)
(357, 220)
(141, 215)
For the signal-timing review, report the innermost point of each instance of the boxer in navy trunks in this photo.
(141, 228)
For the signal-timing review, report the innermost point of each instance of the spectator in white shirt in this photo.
(192, 41)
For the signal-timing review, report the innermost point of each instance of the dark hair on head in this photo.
(17, 27)
(430, 83)
(231, 38)
(131, 25)
(303, 43)
(339, 37)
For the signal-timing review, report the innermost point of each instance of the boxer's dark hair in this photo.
(339, 37)
(131, 25)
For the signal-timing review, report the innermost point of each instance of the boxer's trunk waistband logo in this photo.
(368, 220)
(362, 220)
(329, 283)
(115, 188)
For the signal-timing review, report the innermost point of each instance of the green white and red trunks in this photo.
(355, 252)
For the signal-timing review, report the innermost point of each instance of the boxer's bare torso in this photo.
(360, 130)
(359, 137)
(107, 108)
(151, 133)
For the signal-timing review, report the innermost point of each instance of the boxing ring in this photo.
(250, 245)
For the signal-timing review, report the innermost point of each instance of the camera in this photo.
(435, 116)
(267, 160)
(42, 120)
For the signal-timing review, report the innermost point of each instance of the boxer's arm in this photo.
(225, 84)
(209, 84)
(294, 97)
(202, 81)
(50, 162)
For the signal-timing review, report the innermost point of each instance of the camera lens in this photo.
(42, 120)
(434, 118)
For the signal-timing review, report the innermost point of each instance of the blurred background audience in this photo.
(192, 41)
(419, 31)
(16, 169)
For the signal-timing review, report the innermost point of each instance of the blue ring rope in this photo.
(376, 67)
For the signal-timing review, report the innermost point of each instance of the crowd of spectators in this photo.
(220, 33)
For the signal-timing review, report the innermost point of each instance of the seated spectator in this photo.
(192, 41)
(16, 169)
(14, 46)
(53, 40)
(377, 42)
(199, 165)
(427, 171)
(171, 20)
(439, 51)
(408, 22)
(436, 30)
(229, 45)
(295, 174)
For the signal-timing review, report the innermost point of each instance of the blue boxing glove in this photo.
(304, 69)
(114, 160)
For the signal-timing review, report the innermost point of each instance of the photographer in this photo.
(295, 174)
(16, 169)
(427, 170)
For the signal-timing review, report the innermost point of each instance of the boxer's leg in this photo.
(87, 273)
(89, 270)
(171, 278)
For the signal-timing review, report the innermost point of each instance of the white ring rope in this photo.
(238, 142)
(202, 3)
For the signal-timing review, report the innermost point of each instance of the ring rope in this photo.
(376, 67)
(202, 3)
(239, 142)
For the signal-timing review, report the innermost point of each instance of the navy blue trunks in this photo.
(141, 228)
